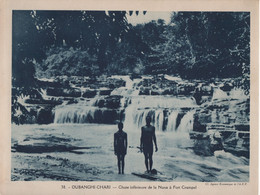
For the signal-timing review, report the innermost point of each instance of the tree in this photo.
(208, 44)
(34, 32)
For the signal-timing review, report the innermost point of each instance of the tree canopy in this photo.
(192, 45)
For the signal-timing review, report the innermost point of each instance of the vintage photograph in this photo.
(125, 95)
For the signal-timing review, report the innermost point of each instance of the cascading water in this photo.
(129, 89)
(235, 93)
(82, 112)
(186, 123)
(164, 112)
(168, 113)
(172, 115)
(172, 118)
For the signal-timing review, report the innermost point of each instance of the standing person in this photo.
(120, 147)
(146, 145)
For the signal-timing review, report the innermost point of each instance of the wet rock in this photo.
(100, 103)
(226, 87)
(89, 93)
(144, 91)
(202, 147)
(72, 101)
(205, 99)
(197, 126)
(45, 116)
(155, 92)
(34, 94)
(109, 116)
(105, 92)
(243, 151)
(43, 102)
(167, 92)
(216, 142)
(218, 105)
(185, 89)
(236, 145)
(226, 133)
(178, 119)
(112, 102)
(205, 144)
(197, 96)
(198, 136)
(69, 92)
(243, 135)
(45, 147)
(242, 127)
(115, 83)
(135, 76)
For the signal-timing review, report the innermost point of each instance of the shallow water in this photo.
(175, 158)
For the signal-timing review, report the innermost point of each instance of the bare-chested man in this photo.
(147, 139)
(120, 147)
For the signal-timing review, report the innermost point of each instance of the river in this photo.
(78, 145)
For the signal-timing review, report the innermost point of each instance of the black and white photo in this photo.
(144, 96)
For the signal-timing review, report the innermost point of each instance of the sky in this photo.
(149, 16)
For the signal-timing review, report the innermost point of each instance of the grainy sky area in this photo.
(150, 15)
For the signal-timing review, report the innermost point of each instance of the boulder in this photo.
(46, 143)
(89, 93)
(216, 142)
(46, 84)
(185, 89)
(167, 92)
(105, 92)
(242, 127)
(236, 145)
(109, 116)
(115, 83)
(197, 126)
(42, 101)
(112, 102)
(72, 101)
(45, 116)
(100, 103)
(226, 133)
(155, 92)
(202, 147)
(144, 91)
(67, 92)
(226, 87)
(198, 97)
(198, 136)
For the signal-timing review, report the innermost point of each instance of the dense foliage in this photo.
(192, 45)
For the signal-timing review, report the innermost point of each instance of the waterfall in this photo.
(74, 114)
(164, 112)
(168, 113)
(129, 89)
(159, 119)
(186, 124)
(235, 93)
(219, 94)
(172, 119)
